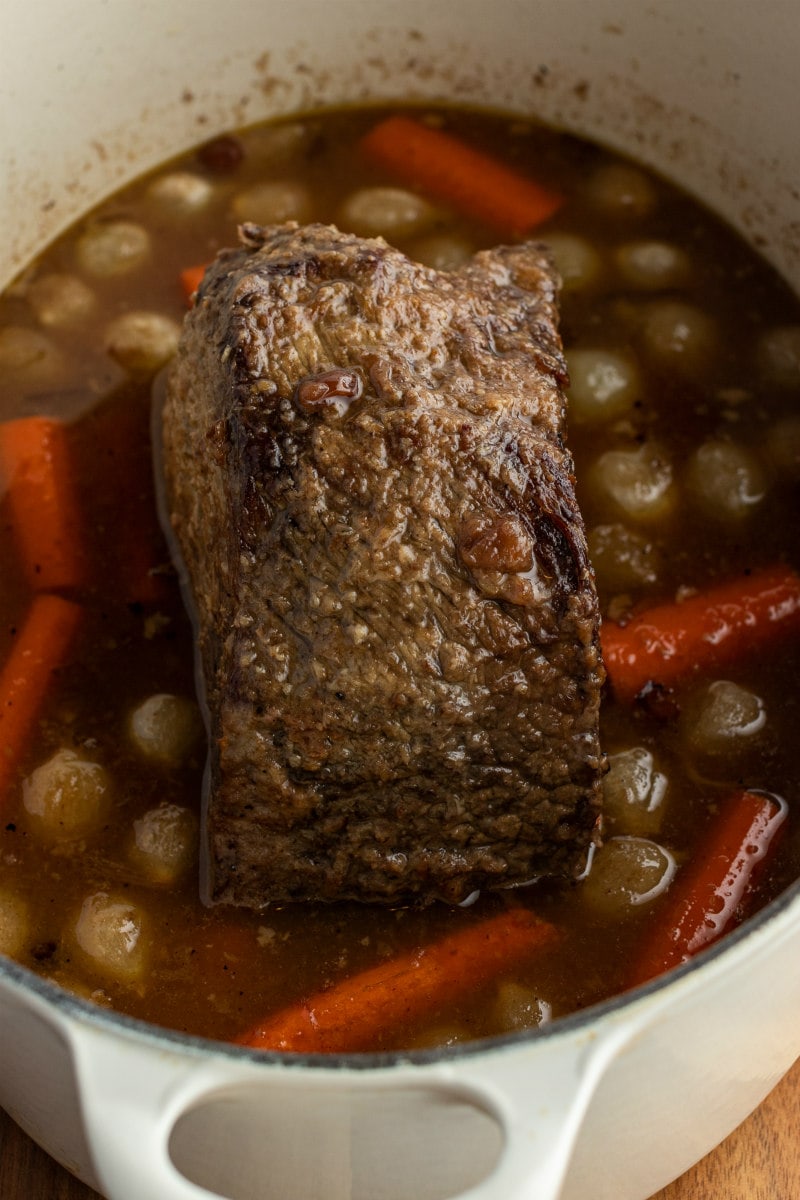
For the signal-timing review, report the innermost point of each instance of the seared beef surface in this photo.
(396, 619)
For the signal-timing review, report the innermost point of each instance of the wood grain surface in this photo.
(759, 1161)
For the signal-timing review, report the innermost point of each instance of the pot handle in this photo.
(540, 1103)
(131, 1097)
(537, 1093)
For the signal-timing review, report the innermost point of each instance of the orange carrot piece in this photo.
(191, 278)
(351, 1015)
(35, 460)
(708, 630)
(709, 894)
(458, 175)
(38, 650)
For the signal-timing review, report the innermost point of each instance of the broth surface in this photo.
(684, 352)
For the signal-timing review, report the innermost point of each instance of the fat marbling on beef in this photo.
(396, 620)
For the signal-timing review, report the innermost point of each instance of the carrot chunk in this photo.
(191, 278)
(38, 650)
(708, 630)
(473, 183)
(709, 894)
(35, 461)
(351, 1015)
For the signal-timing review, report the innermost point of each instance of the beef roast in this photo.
(396, 621)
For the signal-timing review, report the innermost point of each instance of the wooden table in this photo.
(759, 1161)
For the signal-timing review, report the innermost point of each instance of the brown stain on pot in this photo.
(403, 64)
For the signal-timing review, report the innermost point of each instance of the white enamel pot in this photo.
(614, 1102)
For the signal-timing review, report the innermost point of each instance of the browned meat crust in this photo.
(396, 618)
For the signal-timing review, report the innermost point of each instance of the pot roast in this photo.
(396, 620)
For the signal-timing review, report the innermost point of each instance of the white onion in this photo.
(442, 251)
(638, 483)
(721, 725)
(652, 265)
(142, 342)
(725, 480)
(623, 559)
(60, 299)
(620, 190)
(164, 843)
(387, 212)
(165, 728)
(27, 355)
(180, 194)
(627, 873)
(67, 797)
(519, 1007)
(272, 202)
(679, 337)
(577, 262)
(634, 791)
(112, 248)
(110, 935)
(604, 384)
(276, 144)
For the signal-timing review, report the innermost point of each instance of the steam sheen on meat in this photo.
(396, 621)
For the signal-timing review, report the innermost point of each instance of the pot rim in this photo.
(70, 1006)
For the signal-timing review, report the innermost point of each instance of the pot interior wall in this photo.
(94, 93)
(100, 92)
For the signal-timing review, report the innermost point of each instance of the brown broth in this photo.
(216, 972)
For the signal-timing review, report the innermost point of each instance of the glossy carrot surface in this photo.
(351, 1015)
(467, 180)
(35, 464)
(709, 894)
(709, 629)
